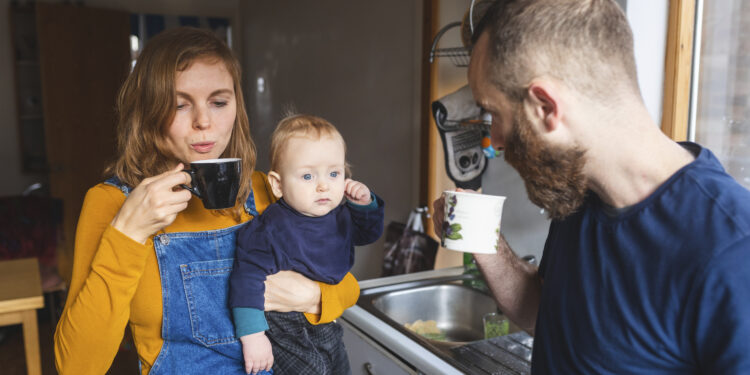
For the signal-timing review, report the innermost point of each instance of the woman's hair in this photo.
(308, 126)
(146, 106)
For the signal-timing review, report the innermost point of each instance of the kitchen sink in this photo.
(457, 310)
(448, 298)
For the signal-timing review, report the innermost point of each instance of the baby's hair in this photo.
(301, 125)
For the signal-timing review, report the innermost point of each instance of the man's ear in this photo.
(275, 180)
(544, 101)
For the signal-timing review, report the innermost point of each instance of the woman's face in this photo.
(206, 111)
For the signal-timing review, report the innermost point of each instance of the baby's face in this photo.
(312, 174)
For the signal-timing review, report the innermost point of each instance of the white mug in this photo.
(472, 222)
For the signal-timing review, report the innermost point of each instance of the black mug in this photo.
(215, 181)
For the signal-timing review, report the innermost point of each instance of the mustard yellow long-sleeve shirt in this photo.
(116, 282)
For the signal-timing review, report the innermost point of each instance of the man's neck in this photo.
(627, 162)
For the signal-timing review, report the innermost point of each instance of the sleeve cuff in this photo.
(373, 205)
(334, 299)
(248, 321)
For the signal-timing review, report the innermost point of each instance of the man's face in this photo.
(552, 174)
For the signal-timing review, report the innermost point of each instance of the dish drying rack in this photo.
(458, 55)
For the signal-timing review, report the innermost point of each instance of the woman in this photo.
(148, 254)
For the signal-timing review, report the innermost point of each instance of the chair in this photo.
(31, 227)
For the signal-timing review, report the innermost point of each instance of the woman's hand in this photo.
(290, 291)
(153, 205)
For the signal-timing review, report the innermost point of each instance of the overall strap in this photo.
(260, 196)
(114, 181)
(250, 204)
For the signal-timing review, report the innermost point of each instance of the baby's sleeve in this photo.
(367, 220)
(254, 260)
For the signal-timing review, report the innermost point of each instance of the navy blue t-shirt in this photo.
(320, 248)
(662, 288)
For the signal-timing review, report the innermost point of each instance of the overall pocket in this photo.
(206, 289)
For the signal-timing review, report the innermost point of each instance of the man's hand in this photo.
(438, 212)
(357, 193)
(256, 349)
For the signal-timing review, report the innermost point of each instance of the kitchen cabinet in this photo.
(366, 357)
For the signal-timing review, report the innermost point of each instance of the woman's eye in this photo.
(220, 104)
(181, 106)
(334, 174)
(307, 176)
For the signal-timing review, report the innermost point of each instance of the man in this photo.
(646, 268)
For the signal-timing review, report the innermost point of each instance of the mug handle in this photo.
(191, 189)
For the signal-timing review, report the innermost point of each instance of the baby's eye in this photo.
(307, 176)
(334, 174)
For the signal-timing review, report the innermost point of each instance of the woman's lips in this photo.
(203, 147)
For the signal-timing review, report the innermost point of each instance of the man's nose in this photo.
(496, 136)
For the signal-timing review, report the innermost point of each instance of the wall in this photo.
(14, 180)
(355, 64)
(648, 19)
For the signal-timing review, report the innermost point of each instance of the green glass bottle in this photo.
(470, 267)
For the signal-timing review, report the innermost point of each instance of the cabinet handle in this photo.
(369, 369)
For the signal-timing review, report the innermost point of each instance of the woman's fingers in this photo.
(169, 179)
(153, 205)
(290, 291)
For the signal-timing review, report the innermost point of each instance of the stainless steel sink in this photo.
(457, 309)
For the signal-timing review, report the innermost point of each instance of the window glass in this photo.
(723, 105)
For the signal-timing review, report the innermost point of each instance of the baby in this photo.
(309, 231)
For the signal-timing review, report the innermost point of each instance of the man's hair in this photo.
(300, 125)
(587, 44)
(147, 103)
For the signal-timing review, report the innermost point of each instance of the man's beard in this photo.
(553, 176)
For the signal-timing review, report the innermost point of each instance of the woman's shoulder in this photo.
(104, 194)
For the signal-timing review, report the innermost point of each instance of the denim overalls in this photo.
(197, 328)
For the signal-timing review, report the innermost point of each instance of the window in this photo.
(722, 110)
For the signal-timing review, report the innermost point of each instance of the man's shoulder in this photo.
(718, 197)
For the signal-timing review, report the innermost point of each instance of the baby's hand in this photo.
(256, 349)
(357, 193)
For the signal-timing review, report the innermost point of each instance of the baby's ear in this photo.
(275, 180)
